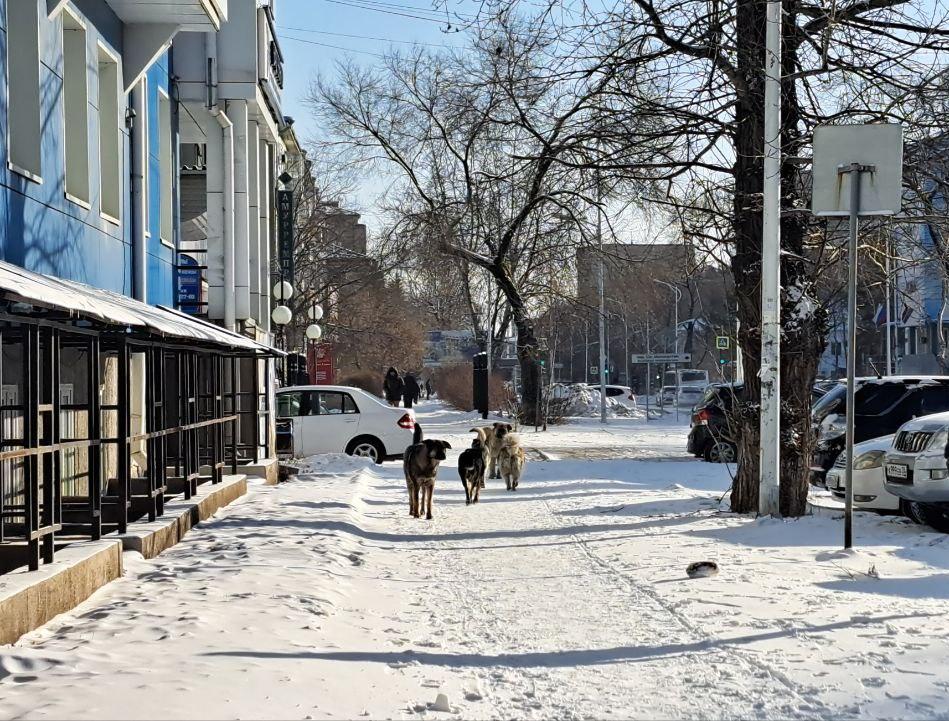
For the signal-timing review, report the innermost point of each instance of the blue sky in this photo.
(314, 34)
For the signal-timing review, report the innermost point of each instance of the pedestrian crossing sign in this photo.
(722, 342)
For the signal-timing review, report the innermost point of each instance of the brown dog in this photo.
(494, 436)
(420, 463)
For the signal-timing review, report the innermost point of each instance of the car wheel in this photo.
(912, 510)
(935, 515)
(721, 452)
(367, 448)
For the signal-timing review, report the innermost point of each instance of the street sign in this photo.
(878, 146)
(857, 170)
(722, 342)
(661, 358)
(285, 234)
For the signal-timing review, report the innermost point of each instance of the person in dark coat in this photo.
(392, 386)
(411, 391)
(428, 388)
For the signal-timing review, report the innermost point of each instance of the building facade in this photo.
(111, 399)
(232, 155)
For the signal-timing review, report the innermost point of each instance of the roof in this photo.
(79, 300)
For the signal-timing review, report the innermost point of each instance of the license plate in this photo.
(897, 470)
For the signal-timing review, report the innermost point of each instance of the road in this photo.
(322, 598)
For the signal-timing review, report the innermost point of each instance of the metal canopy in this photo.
(84, 301)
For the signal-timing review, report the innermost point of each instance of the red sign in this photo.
(319, 364)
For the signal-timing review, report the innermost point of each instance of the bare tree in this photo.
(494, 147)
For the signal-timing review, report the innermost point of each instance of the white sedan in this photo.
(869, 492)
(342, 419)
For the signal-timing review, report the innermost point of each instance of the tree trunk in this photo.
(527, 351)
(802, 325)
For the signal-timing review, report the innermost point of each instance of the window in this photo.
(165, 232)
(332, 404)
(110, 186)
(75, 109)
(23, 85)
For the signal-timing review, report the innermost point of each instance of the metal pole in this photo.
(648, 371)
(599, 242)
(854, 170)
(770, 373)
(889, 315)
(675, 343)
(629, 381)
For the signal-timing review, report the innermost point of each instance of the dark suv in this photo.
(883, 405)
(710, 436)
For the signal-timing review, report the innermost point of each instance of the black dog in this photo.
(420, 464)
(471, 470)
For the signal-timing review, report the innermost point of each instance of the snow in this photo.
(322, 598)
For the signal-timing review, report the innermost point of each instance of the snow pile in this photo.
(584, 402)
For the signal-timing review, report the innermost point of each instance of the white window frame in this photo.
(166, 219)
(115, 142)
(75, 124)
(36, 173)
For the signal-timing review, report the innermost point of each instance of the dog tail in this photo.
(482, 434)
(417, 434)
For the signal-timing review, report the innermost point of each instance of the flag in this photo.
(880, 317)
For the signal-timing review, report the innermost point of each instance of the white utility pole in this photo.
(770, 373)
(888, 311)
(599, 243)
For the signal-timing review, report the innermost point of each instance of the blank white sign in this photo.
(836, 147)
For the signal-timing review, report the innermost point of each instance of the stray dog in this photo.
(511, 460)
(495, 437)
(702, 569)
(471, 466)
(420, 464)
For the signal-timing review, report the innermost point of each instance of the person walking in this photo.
(428, 389)
(393, 386)
(410, 391)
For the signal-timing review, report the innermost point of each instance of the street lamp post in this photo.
(677, 294)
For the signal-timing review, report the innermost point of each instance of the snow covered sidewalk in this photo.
(322, 598)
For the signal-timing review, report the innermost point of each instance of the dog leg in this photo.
(429, 492)
(411, 489)
(467, 486)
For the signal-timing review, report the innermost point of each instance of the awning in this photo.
(79, 300)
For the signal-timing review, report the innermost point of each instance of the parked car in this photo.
(710, 436)
(666, 396)
(882, 406)
(869, 491)
(916, 469)
(342, 419)
(690, 395)
(621, 394)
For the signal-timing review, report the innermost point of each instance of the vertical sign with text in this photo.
(285, 233)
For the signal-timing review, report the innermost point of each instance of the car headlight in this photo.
(939, 440)
(868, 460)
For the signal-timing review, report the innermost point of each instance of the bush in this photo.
(365, 380)
(453, 385)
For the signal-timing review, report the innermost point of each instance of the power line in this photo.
(335, 47)
(363, 37)
(385, 11)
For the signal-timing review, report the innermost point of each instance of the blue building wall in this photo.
(42, 230)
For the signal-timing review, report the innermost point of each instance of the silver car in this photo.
(916, 469)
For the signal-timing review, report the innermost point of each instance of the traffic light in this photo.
(722, 357)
